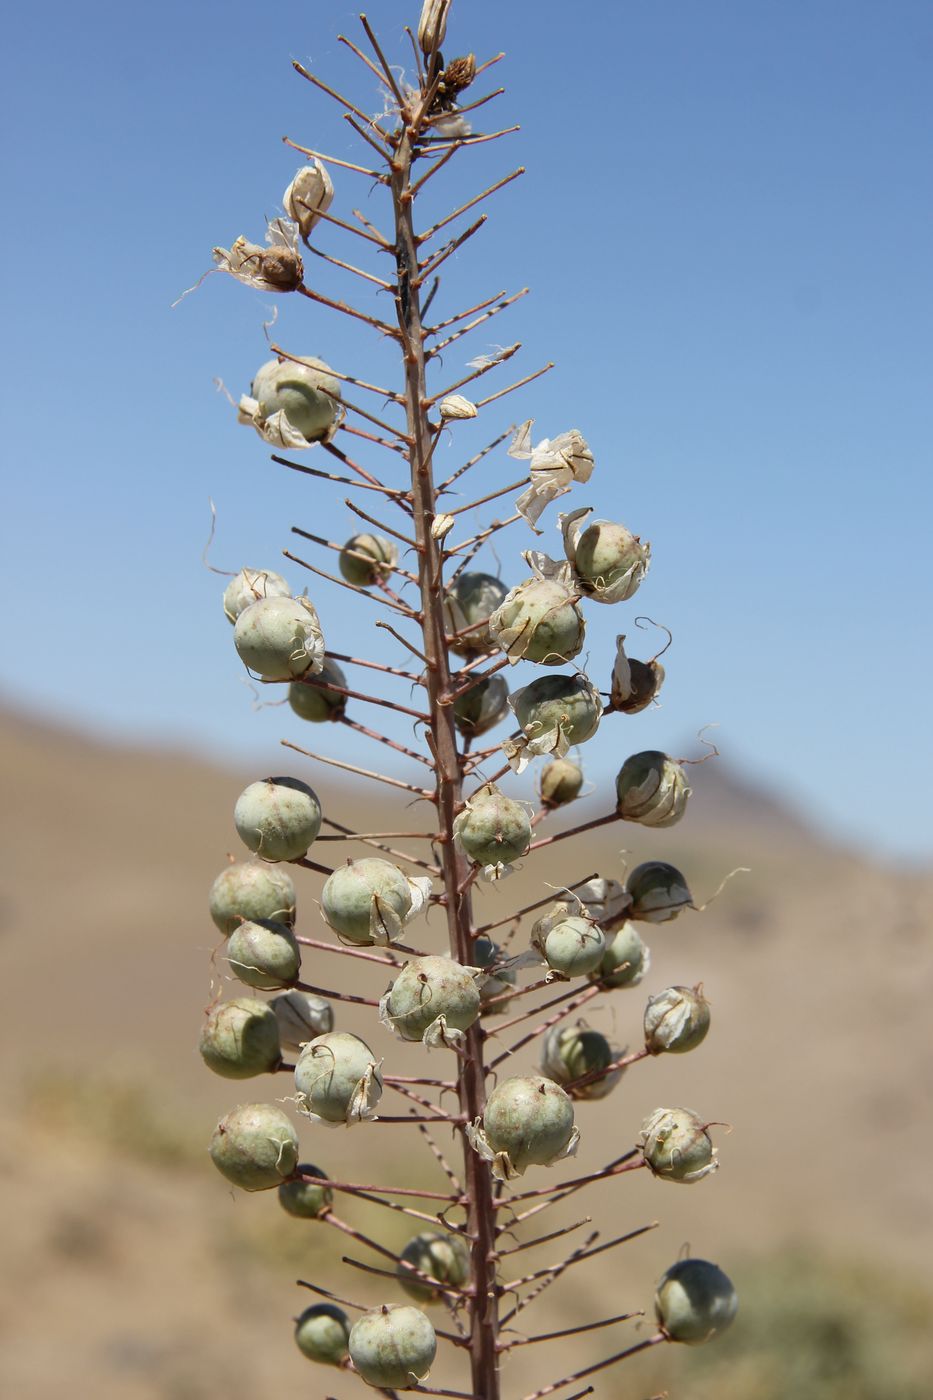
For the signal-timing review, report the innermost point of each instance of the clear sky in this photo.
(726, 226)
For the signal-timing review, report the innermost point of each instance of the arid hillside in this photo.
(131, 1271)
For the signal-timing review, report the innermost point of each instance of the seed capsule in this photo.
(658, 891)
(240, 1038)
(308, 196)
(560, 782)
(433, 999)
(248, 586)
(301, 1016)
(293, 403)
(264, 955)
(528, 1121)
(607, 560)
(337, 1079)
(570, 944)
(676, 1145)
(365, 559)
(278, 818)
(625, 959)
(393, 1347)
(255, 1146)
(635, 684)
(444, 1257)
(493, 830)
(482, 706)
(651, 789)
(455, 406)
(432, 26)
(695, 1301)
(322, 1332)
(468, 604)
(280, 638)
(603, 900)
(313, 703)
(554, 712)
(371, 901)
(496, 984)
(676, 1020)
(250, 890)
(305, 1199)
(539, 620)
(570, 1052)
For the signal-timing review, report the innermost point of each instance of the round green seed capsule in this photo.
(559, 710)
(428, 988)
(249, 889)
(306, 1199)
(368, 901)
(337, 1078)
(676, 1020)
(322, 1333)
(469, 603)
(658, 892)
(255, 1147)
(311, 702)
(560, 783)
(278, 818)
(304, 391)
(301, 1016)
(571, 945)
(240, 1038)
(482, 707)
(676, 1145)
(280, 638)
(492, 829)
(625, 959)
(393, 1347)
(444, 1257)
(485, 955)
(264, 955)
(540, 621)
(365, 559)
(609, 561)
(571, 1052)
(528, 1121)
(651, 789)
(695, 1302)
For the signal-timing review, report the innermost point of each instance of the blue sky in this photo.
(725, 223)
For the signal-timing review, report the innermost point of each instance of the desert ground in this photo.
(132, 1271)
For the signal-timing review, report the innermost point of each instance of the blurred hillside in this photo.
(123, 1246)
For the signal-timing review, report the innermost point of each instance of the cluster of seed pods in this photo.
(370, 908)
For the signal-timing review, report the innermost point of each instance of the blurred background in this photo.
(724, 223)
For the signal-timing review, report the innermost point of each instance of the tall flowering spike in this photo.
(275, 268)
(308, 196)
(555, 464)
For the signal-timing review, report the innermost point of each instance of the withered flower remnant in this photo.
(275, 268)
(308, 196)
(555, 465)
(248, 586)
(635, 684)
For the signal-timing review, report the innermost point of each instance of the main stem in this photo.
(443, 734)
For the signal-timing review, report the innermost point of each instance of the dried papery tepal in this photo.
(570, 944)
(527, 1122)
(293, 403)
(277, 267)
(482, 707)
(635, 684)
(301, 1016)
(308, 196)
(431, 1255)
(499, 980)
(676, 1146)
(322, 1333)
(264, 954)
(559, 782)
(539, 620)
(315, 702)
(434, 1000)
(250, 889)
(676, 1020)
(469, 603)
(554, 713)
(280, 638)
(695, 1302)
(554, 465)
(278, 818)
(658, 892)
(248, 586)
(651, 789)
(569, 1053)
(607, 560)
(493, 831)
(370, 901)
(337, 1079)
(625, 959)
(308, 1200)
(393, 1347)
(603, 900)
(240, 1039)
(365, 559)
(255, 1147)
